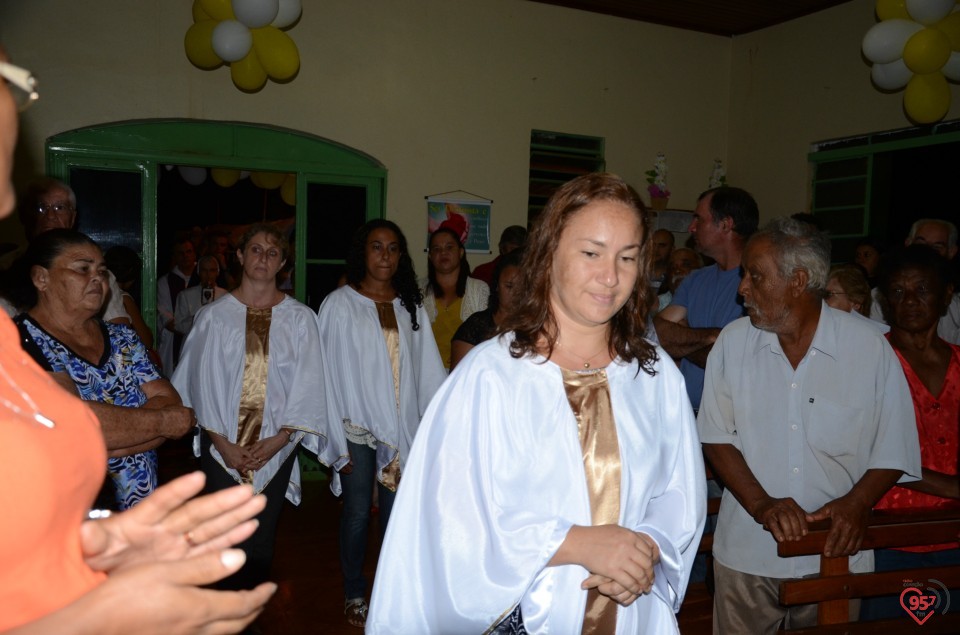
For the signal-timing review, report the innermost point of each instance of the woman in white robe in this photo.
(251, 370)
(381, 368)
(556, 483)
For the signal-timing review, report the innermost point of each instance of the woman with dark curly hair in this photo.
(450, 296)
(557, 482)
(381, 369)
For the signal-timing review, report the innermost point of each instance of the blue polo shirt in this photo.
(710, 297)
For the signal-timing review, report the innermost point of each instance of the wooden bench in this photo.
(835, 586)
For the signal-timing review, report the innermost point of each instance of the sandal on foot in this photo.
(356, 612)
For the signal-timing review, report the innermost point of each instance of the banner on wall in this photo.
(468, 217)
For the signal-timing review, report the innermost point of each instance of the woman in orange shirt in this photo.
(139, 571)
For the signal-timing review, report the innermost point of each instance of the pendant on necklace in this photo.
(44, 421)
(586, 364)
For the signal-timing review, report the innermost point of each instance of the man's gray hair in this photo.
(207, 258)
(799, 246)
(951, 230)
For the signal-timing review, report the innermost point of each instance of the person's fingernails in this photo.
(233, 558)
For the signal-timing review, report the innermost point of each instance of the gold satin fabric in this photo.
(589, 396)
(253, 395)
(390, 475)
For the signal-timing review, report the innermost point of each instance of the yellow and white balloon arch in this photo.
(248, 35)
(916, 45)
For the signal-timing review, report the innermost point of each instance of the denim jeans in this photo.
(355, 517)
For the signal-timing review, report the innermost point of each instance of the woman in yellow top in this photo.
(450, 295)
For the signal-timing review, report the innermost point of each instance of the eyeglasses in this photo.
(23, 85)
(832, 294)
(58, 209)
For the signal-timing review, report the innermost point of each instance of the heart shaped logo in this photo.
(918, 605)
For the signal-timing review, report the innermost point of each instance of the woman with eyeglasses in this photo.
(847, 290)
(381, 367)
(450, 295)
(139, 571)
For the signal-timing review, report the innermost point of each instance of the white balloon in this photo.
(231, 40)
(884, 42)
(289, 13)
(892, 76)
(192, 175)
(255, 13)
(951, 70)
(929, 12)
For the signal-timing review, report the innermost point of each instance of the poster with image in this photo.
(469, 218)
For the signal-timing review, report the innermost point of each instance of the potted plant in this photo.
(657, 179)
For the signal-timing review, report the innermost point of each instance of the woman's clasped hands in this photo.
(620, 561)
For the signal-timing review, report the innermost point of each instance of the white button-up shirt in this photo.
(809, 433)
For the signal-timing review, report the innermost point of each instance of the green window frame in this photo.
(555, 158)
(850, 179)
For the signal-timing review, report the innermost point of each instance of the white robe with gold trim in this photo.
(494, 481)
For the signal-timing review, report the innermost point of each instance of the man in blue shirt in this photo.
(707, 299)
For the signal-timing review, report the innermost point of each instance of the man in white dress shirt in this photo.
(806, 416)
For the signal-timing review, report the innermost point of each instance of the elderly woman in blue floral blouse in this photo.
(105, 363)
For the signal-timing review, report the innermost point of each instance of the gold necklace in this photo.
(585, 360)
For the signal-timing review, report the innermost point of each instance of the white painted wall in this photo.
(445, 92)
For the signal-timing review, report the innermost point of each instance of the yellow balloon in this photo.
(950, 26)
(267, 180)
(288, 191)
(224, 177)
(248, 74)
(198, 43)
(277, 52)
(217, 9)
(926, 51)
(198, 12)
(892, 9)
(927, 98)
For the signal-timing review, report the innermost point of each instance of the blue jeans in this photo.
(355, 517)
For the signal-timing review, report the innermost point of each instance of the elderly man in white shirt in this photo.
(806, 416)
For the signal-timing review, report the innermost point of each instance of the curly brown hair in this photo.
(533, 321)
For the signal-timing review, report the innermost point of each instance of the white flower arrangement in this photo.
(657, 178)
(718, 177)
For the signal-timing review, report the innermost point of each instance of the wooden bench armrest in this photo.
(889, 532)
(948, 624)
(860, 585)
